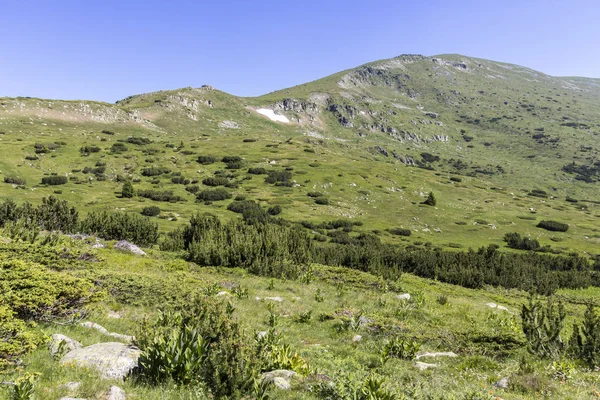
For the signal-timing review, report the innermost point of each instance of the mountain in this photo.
(501, 146)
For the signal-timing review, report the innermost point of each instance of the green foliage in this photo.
(584, 343)
(213, 194)
(49, 295)
(515, 241)
(400, 231)
(118, 148)
(160, 195)
(442, 300)
(205, 160)
(24, 387)
(140, 141)
(275, 210)
(15, 337)
(151, 211)
(201, 343)
(54, 180)
(155, 171)
(553, 226)
(430, 200)
(400, 347)
(257, 171)
(121, 226)
(52, 215)
(215, 181)
(88, 149)
(279, 178)
(542, 325)
(127, 190)
(15, 180)
(304, 317)
(263, 248)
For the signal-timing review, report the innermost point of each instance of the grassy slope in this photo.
(137, 286)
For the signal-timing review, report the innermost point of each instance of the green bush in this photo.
(127, 190)
(515, 241)
(215, 181)
(52, 215)
(400, 231)
(121, 226)
(213, 194)
(553, 226)
(16, 338)
(275, 210)
(35, 292)
(151, 211)
(201, 343)
(228, 159)
(205, 160)
(160, 195)
(257, 171)
(54, 180)
(430, 200)
(88, 149)
(118, 148)
(14, 180)
(322, 201)
(140, 141)
(281, 178)
(155, 171)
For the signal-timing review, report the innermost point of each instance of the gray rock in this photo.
(437, 354)
(112, 360)
(104, 331)
(115, 393)
(423, 366)
(124, 245)
(281, 383)
(57, 339)
(404, 296)
(502, 383)
(261, 334)
(356, 338)
(276, 298)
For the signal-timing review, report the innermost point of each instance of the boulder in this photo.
(438, 354)
(281, 383)
(276, 298)
(115, 393)
(404, 296)
(356, 338)
(112, 360)
(502, 383)
(124, 245)
(104, 331)
(281, 378)
(68, 344)
(423, 366)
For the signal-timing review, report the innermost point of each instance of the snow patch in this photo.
(272, 116)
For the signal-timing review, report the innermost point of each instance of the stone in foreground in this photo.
(112, 360)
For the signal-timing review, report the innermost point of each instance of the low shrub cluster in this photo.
(215, 181)
(15, 180)
(140, 141)
(121, 226)
(213, 194)
(400, 231)
(205, 160)
(54, 180)
(515, 241)
(52, 215)
(155, 171)
(553, 226)
(151, 211)
(279, 178)
(160, 195)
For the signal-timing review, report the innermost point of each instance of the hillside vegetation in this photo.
(414, 228)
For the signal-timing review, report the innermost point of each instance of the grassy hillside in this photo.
(375, 140)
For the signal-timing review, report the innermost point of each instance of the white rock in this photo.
(438, 354)
(497, 306)
(124, 245)
(112, 360)
(223, 293)
(357, 338)
(104, 331)
(423, 366)
(276, 298)
(502, 383)
(115, 393)
(404, 296)
(57, 339)
(261, 334)
(281, 383)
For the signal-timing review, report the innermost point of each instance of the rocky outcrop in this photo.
(280, 378)
(62, 344)
(124, 245)
(112, 360)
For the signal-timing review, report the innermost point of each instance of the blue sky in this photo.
(107, 50)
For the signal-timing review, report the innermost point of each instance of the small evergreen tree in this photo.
(127, 191)
(430, 200)
(542, 325)
(590, 340)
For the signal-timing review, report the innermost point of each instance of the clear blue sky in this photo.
(107, 50)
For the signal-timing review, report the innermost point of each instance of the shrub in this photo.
(33, 291)
(553, 226)
(155, 171)
(515, 241)
(88, 149)
(542, 325)
(430, 200)
(151, 211)
(160, 195)
(400, 231)
(16, 338)
(140, 141)
(192, 188)
(275, 210)
(52, 214)
(205, 160)
(402, 348)
(257, 171)
(127, 190)
(279, 177)
(107, 132)
(121, 226)
(118, 148)
(203, 344)
(228, 159)
(213, 194)
(234, 165)
(180, 180)
(315, 194)
(14, 180)
(322, 201)
(215, 181)
(54, 180)
(538, 193)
